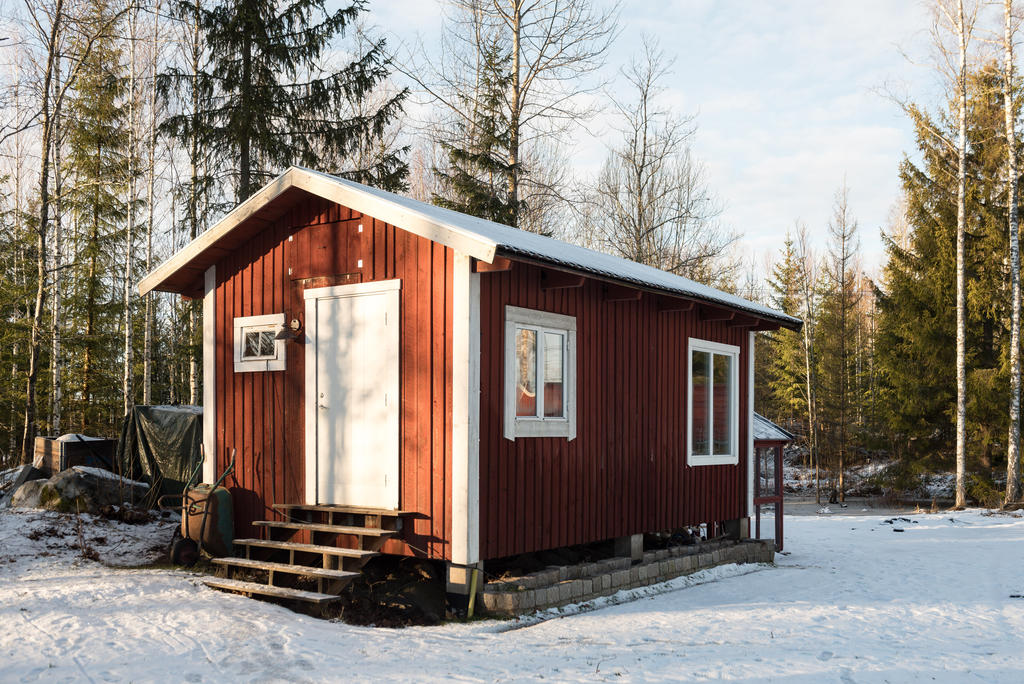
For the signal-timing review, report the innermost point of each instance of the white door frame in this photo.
(311, 296)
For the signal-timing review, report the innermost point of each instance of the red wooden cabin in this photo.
(511, 392)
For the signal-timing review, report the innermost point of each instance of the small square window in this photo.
(259, 345)
(540, 374)
(256, 345)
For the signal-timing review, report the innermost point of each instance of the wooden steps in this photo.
(335, 529)
(250, 588)
(337, 508)
(336, 542)
(306, 548)
(304, 570)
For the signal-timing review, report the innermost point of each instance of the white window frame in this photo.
(692, 459)
(247, 324)
(539, 426)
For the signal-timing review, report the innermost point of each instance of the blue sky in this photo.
(785, 99)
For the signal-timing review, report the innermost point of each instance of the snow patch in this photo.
(107, 475)
(76, 437)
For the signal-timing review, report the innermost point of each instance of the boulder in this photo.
(12, 479)
(79, 490)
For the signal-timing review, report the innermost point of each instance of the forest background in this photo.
(128, 127)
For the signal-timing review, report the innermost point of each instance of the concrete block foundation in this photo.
(561, 585)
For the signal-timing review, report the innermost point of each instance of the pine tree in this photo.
(265, 107)
(477, 179)
(837, 335)
(97, 162)
(786, 376)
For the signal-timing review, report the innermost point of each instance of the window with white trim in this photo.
(540, 374)
(256, 343)
(712, 403)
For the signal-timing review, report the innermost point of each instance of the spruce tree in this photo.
(786, 375)
(836, 332)
(479, 175)
(916, 304)
(97, 162)
(271, 97)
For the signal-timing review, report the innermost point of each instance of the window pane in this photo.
(251, 348)
(723, 404)
(766, 471)
(699, 392)
(526, 365)
(554, 374)
(267, 343)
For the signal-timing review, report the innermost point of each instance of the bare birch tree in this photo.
(1013, 490)
(127, 378)
(555, 49)
(808, 293)
(961, 25)
(56, 296)
(652, 201)
(147, 342)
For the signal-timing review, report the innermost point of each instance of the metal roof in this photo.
(477, 237)
(767, 431)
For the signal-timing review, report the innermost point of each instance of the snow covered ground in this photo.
(854, 601)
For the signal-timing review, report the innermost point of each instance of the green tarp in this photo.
(161, 445)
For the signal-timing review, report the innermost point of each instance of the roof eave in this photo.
(322, 186)
(782, 320)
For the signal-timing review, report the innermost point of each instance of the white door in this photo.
(352, 333)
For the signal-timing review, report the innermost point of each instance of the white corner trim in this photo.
(514, 426)
(465, 412)
(696, 344)
(309, 397)
(750, 425)
(267, 322)
(210, 375)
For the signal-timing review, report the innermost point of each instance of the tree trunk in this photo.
(193, 207)
(29, 432)
(147, 342)
(515, 110)
(807, 290)
(127, 384)
(1013, 442)
(961, 288)
(244, 151)
(56, 354)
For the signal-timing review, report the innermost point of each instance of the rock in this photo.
(18, 477)
(27, 495)
(78, 490)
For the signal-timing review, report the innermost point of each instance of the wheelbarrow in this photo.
(207, 523)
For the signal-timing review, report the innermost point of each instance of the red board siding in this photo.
(261, 415)
(626, 471)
